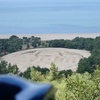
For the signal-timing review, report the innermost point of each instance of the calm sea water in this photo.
(49, 16)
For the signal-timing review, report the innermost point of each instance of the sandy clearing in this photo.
(43, 57)
(55, 36)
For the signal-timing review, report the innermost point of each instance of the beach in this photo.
(54, 36)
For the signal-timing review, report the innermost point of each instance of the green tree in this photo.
(12, 69)
(14, 44)
(54, 71)
(80, 87)
(35, 41)
(85, 65)
(3, 67)
(35, 75)
(66, 72)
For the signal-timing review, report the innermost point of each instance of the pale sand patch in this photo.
(56, 36)
(64, 58)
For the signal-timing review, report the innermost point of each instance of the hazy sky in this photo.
(49, 16)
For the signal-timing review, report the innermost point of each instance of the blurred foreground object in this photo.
(15, 88)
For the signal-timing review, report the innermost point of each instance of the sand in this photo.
(56, 36)
(64, 58)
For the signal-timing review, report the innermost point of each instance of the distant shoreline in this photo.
(50, 36)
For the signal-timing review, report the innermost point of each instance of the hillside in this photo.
(64, 58)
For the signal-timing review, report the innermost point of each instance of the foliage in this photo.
(42, 70)
(85, 65)
(15, 43)
(75, 87)
(6, 68)
(66, 72)
(3, 67)
(68, 85)
(81, 87)
(35, 41)
(12, 69)
(35, 75)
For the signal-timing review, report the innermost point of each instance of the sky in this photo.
(49, 16)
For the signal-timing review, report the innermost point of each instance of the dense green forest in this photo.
(84, 84)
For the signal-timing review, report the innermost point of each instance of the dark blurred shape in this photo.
(15, 88)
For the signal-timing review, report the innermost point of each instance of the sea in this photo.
(49, 16)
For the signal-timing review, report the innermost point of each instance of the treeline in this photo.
(77, 43)
(10, 45)
(7, 68)
(44, 71)
(15, 43)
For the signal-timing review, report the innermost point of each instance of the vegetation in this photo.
(15, 43)
(6, 68)
(73, 87)
(84, 84)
